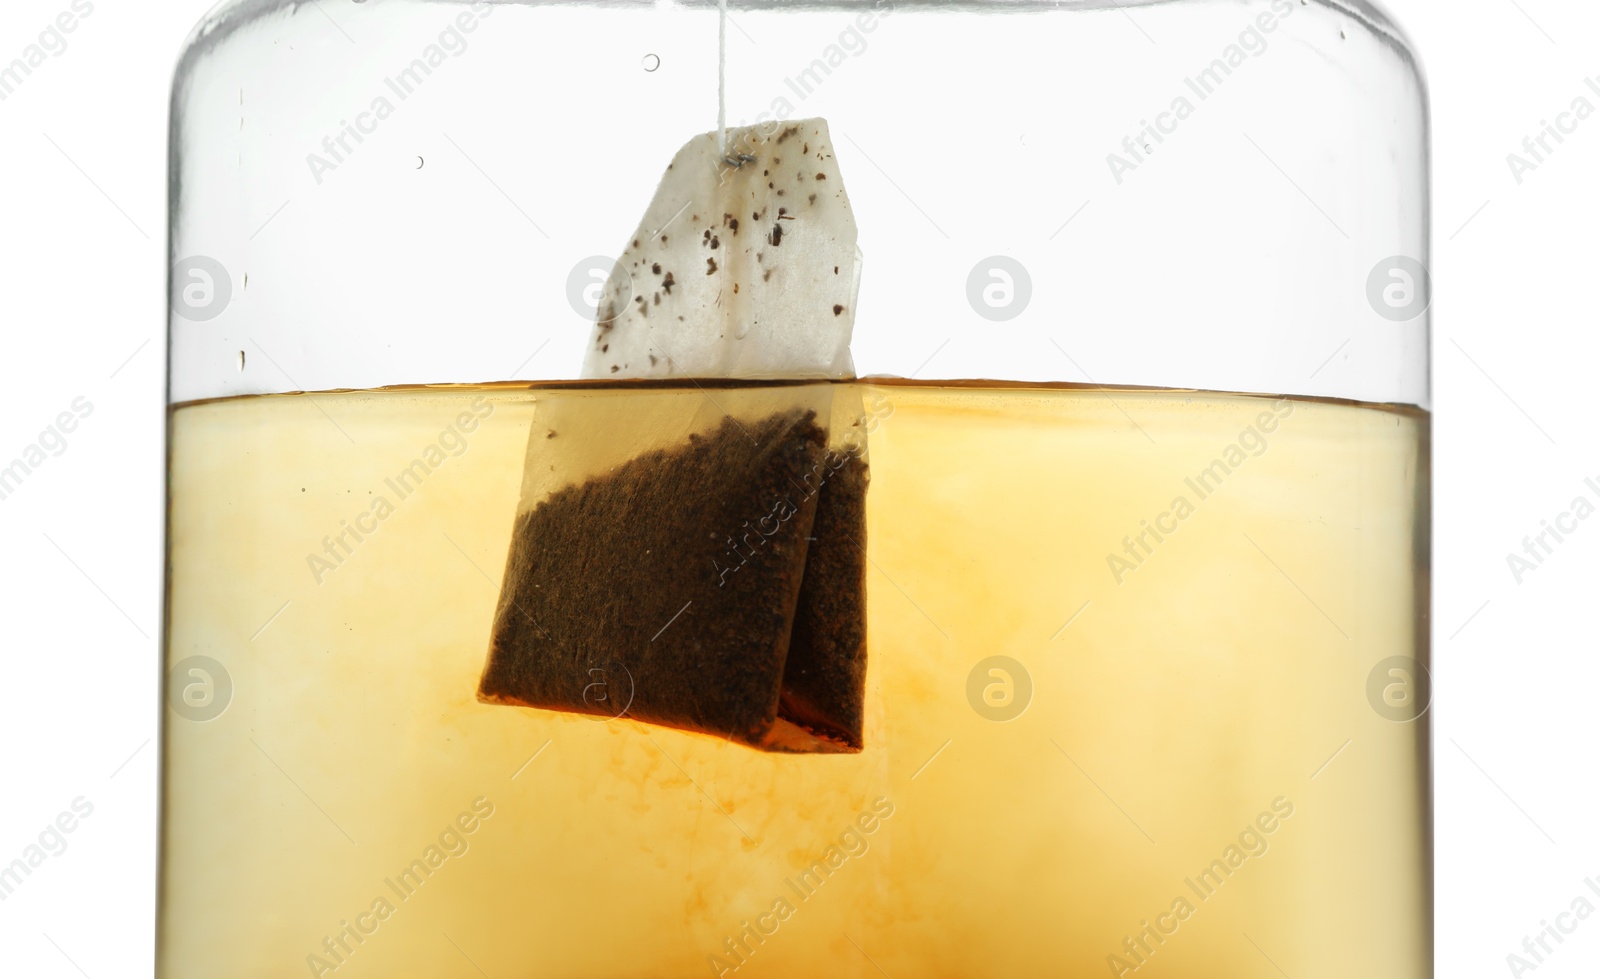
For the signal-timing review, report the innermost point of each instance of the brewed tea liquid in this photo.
(1118, 714)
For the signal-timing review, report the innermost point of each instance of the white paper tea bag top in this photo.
(745, 265)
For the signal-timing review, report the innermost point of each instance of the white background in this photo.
(82, 248)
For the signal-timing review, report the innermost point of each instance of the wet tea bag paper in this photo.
(694, 555)
(745, 265)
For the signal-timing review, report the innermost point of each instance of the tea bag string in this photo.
(722, 78)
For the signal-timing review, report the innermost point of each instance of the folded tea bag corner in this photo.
(744, 265)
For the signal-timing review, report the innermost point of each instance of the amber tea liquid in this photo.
(1120, 710)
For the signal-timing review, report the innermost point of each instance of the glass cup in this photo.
(1141, 570)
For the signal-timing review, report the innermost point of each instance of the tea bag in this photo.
(693, 554)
